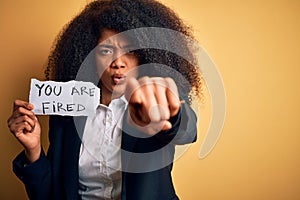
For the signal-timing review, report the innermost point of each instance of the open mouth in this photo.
(118, 78)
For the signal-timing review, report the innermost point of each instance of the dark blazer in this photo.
(55, 176)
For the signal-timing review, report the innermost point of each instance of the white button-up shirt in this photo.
(100, 175)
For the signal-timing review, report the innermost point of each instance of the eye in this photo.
(105, 51)
(131, 51)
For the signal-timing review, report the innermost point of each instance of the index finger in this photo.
(19, 103)
(131, 92)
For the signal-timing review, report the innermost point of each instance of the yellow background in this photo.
(256, 46)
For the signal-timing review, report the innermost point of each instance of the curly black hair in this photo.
(80, 36)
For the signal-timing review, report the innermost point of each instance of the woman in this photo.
(126, 150)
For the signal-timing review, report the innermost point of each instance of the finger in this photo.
(167, 126)
(161, 98)
(21, 128)
(149, 104)
(23, 122)
(27, 128)
(150, 129)
(21, 119)
(172, 96)
(23, 111)
(155, 127)
(142, 103)
(22, 108)
(136, 115)
(131, 92)
(24, 104)
(135, 98)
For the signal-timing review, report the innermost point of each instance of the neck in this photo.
(107, 96)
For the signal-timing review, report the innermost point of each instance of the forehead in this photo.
(111, 37)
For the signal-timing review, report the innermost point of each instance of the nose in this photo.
(119, 62)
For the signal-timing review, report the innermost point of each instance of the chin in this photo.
(117, 91)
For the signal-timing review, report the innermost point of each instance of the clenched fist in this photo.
(26, 128)
(152, 101)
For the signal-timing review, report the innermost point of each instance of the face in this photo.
(115, 63)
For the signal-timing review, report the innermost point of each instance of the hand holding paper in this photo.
(49, 98)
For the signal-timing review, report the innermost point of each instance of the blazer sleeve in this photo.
(36, 176)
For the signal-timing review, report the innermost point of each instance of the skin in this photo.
(114, 63)
(152, 101)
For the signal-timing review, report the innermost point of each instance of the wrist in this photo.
(33, 154)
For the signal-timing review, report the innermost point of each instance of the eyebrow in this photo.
(106, 46)
(127, 46)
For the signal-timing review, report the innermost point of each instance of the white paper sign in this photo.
(73, 98)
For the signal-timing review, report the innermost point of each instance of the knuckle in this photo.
(19, 109)
(144, 80)
(169, 80)
(171, 83)
(175, 106)
(25, 123)
(25, 118)
(157, 79)
(16, 102)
